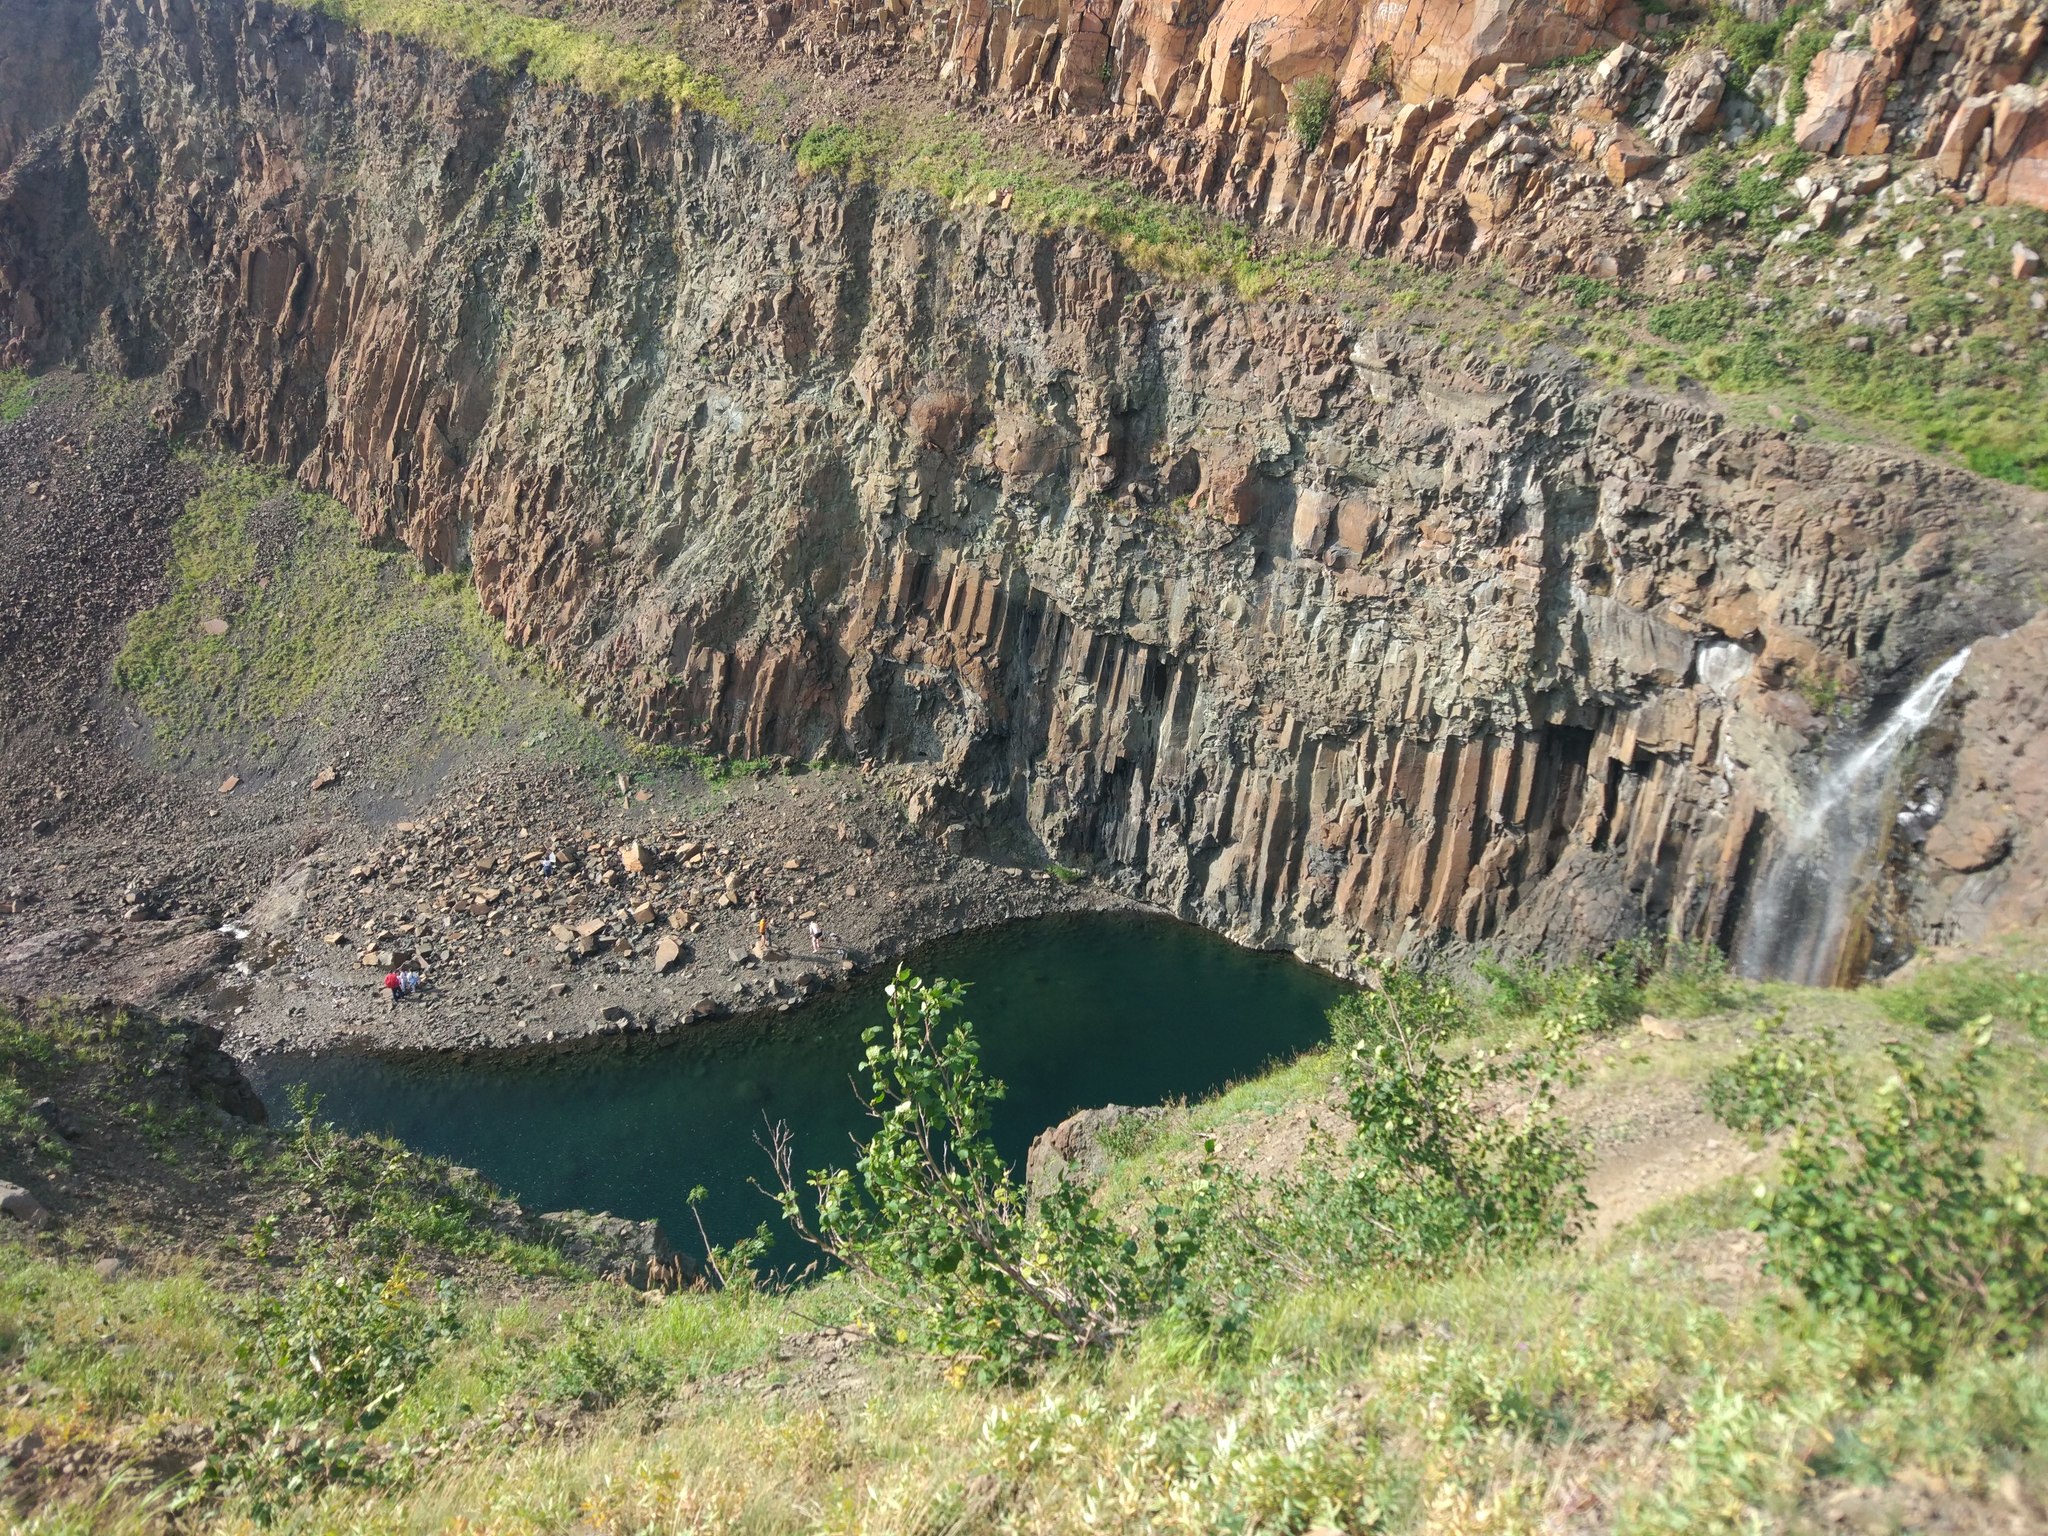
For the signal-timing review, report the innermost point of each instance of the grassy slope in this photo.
(1655, 1382)
(328, 638)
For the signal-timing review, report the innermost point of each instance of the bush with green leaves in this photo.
(327, 1360)
(836, 149)
(1884, 1208)
(1766, 1085)
(1589, 998)
(933, 1222)
(1692, 982)
(1436, 1170)
(1313, 105)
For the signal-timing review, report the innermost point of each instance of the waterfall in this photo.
(1800, 914)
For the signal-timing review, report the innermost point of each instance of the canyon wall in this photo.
(1310, 629)
(1435, 129)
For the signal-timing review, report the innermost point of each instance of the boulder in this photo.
(23, 1207)
(617, 1248)
(1627, 156)
(1844, 100)
(2018, 168)
(1074, 1151)
(1689, 104)
(668, 954)
(1960, 139)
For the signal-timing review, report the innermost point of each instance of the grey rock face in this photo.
(1303, 629)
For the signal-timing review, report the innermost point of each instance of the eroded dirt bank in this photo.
(1295, 624)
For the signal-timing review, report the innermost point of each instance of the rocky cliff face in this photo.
(1314, 633)
(1432, 136)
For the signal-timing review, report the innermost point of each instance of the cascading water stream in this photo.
(1797, 923)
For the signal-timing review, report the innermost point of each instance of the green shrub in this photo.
(1313, 105)
(1692, 982)
(1768, 1083)
(17, 394)
(1591, 997)
(390, 1202)
(1588, 292)
(327, 1361)
(1708, 196)
(597, 1364)
(1884, 1209)
(1806, 41)
(1432, 1176)
(835, 149)
(930, 1219)
(1691, 322)
(1400, 999)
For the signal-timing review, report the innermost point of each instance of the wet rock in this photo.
(617, 1248)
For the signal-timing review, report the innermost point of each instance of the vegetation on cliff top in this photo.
(549, 50)
(1658, 1379)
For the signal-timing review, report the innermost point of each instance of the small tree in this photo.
(931, 1218)
(1435, 1172)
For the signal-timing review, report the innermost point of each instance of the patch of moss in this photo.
(17, 394)
(278, 616)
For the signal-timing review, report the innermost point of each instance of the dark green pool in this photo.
(1072, 1011)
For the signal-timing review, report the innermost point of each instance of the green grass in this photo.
(1945, 997)
(17, 394)
(314, 617)
(551, 51)
(1754, 331)
(1656, 1373)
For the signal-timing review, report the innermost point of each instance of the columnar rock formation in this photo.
(1438, 140)
(1305, 629)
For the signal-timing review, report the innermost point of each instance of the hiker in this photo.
(391, 984)
(547, 864)
(816, 934)
(408, 983)
(761, 930)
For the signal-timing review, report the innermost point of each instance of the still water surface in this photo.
(1072, 1011)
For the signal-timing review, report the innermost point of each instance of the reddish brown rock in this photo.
(1844, 100)
(1627, 157)
(1985, 852)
